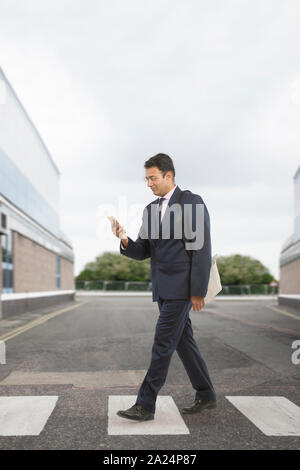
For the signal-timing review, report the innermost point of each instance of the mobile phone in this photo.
(112, 218)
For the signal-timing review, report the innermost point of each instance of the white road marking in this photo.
(2, 353)
(167, 418)
(25, 415)
(101, 378)
(274, 416)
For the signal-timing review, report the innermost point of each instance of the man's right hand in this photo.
(198, 302)
(118, 230)
(124, 242)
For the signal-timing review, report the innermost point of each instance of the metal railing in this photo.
(248, 289)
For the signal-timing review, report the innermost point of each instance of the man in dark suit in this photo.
(178, 283)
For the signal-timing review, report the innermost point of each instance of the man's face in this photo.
(155, 181)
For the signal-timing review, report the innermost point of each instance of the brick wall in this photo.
(290, 278)
(67, 281)
(35, 267)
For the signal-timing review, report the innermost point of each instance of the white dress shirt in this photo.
(166, 201)
(163, 207)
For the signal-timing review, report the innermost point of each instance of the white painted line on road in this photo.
(2, 353)
(167, 419)
(25, 415)
(274, 416)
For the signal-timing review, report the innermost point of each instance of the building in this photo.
(289, 285)
(37, 259)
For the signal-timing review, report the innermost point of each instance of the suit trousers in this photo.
(174, 331)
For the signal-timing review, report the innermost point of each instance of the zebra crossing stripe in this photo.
(25, 415)
(274, 416)
(167, 419)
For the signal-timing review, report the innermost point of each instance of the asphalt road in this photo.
(102, 348)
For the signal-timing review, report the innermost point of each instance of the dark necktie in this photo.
(159, 214)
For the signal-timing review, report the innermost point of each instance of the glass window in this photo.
(7, 262)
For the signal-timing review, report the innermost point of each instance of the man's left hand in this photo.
(198, 302)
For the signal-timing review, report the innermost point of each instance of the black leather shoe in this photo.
(136, 412)
(199, 405)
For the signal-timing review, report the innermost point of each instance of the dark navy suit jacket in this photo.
(174, 275)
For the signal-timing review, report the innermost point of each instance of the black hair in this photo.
(163, 162)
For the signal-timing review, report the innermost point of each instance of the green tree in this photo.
(234, 269)
(86, 275)
(239, 269)
(111, 266)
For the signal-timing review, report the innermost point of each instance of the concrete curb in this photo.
(149, 294)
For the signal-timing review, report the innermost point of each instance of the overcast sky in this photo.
(214, 84)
